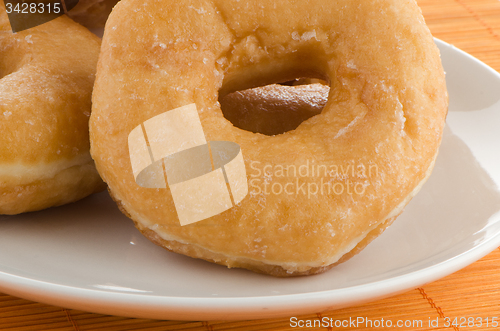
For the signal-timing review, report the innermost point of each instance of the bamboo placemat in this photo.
(471, 295)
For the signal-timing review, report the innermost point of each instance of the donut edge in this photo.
(195, 251)
(67, 186)
(253, 265)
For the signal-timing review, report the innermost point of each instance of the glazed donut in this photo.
(317, 194)
(92, 13)
(45, 102)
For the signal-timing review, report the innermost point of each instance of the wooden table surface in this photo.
(471, 294)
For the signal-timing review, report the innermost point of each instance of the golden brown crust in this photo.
(256, 266)
(45, 101)
(382, 123)
(69, 185)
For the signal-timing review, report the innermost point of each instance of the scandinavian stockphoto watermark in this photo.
(24, 14)
(310, 179)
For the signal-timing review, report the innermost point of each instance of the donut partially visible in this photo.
(92, 13)
(47, 74)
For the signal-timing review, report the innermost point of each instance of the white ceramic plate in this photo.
(88, 256)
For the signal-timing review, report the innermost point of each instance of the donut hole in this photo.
(8, 68)
(13, 57)
(275, 108)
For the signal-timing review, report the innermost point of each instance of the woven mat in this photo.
(471, 295)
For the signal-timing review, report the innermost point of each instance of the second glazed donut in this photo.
(45, 101)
